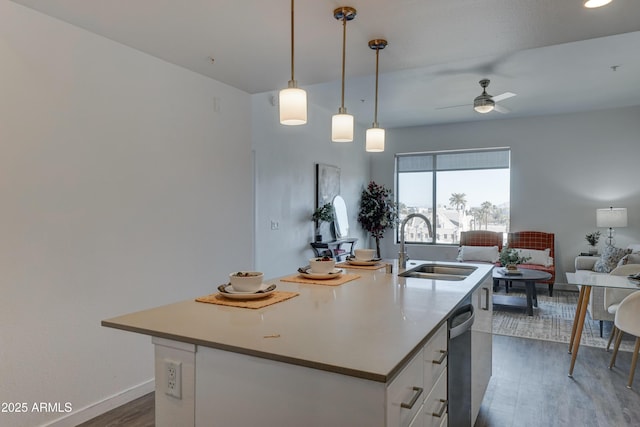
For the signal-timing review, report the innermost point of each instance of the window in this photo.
(469, 190)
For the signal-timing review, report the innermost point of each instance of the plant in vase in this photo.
(592, 239)
(378, 212)
(510, 258)
(323, 214)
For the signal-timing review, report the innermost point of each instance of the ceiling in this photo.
(556, 55)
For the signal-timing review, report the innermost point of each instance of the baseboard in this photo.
(93, 410)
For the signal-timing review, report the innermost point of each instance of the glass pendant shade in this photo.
(374, 140)
(342, 127)
(293, 106)
(596, 3)
(483, 104)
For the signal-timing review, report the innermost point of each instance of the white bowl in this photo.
(364, 254)
(246, 281)
(322, 265)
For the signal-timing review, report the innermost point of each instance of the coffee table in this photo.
(529, 278)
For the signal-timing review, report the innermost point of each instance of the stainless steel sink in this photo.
(439, 272)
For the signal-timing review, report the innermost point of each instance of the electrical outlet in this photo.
(173, 374)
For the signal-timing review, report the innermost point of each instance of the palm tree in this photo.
(485, 210)
(458, 200)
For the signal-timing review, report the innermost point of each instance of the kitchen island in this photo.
(333, 355)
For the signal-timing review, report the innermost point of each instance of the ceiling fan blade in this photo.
(503, 96)
(501, 109)
(453, 106)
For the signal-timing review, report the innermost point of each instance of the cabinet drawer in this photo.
(435, 405)
(406, 393)
(435, 357)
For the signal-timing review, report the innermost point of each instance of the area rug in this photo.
(551, 321)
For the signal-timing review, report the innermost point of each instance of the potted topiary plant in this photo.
(510, 258)
(378, 212)
(323, 214)
(592, 239)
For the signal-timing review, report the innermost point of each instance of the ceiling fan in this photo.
(485, 103)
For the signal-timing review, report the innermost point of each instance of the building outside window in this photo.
(468, 188)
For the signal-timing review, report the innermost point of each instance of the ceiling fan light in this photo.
(293, 105)
(483, 104)
(342, 127)
(595, 3)
(374, 139)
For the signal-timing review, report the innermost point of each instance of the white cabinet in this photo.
(411, 401)
(405, 394)
(435, 405)
(481, 344)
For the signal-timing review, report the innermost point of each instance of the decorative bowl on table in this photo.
(322, 265)
(246, 281)
(364, 254)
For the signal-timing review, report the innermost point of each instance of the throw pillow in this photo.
(536, 256)
(634, 247)
(609, 259)
(632, 258)
(478, 253)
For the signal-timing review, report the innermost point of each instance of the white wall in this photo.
(285, 169)
(563, 168)
(120, 189)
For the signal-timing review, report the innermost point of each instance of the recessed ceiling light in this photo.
(595, 3)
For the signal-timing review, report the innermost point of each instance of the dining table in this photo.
(586, 281)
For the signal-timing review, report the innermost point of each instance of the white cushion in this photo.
(632, 258)
(634, 247)
(536, 256)
(478, 253)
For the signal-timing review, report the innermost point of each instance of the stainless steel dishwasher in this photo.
(459, 365)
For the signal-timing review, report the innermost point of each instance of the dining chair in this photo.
(613, 297)
(628, 320)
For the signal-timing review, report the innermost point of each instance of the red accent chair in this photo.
(537, 240)
(481, 238)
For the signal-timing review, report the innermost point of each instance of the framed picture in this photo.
(327, 187)
(327, 183)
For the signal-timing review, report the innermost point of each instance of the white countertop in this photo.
(366, 328)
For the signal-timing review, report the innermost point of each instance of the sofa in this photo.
(587, 265)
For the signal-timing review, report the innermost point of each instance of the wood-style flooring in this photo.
(529, 387)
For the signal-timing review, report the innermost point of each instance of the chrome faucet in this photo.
(402, 256)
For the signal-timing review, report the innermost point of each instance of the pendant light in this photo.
(374, 140)
(484, 103)
(342, 123)
(293, 100)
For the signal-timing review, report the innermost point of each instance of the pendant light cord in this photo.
(292, 33)
(344, 56)
(375, 114)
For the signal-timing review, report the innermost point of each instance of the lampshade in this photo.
(293, 106)
(292, 100)
(374, 140)
(342, 123)
(611, 217)
(342, 127)
(595, 3)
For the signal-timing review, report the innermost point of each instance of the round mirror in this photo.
(341, 220)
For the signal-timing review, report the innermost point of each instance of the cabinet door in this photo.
(481, 344)
(435, 405)
(435, 357)
(405, 394)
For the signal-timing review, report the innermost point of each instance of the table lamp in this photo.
(609, 218)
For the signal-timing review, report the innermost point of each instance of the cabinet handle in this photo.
(486, 298)
(443, 356)
(414, 399)
(442, 409)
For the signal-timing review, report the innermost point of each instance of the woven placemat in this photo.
(347, 277)
(273, 298)
(377, 266)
